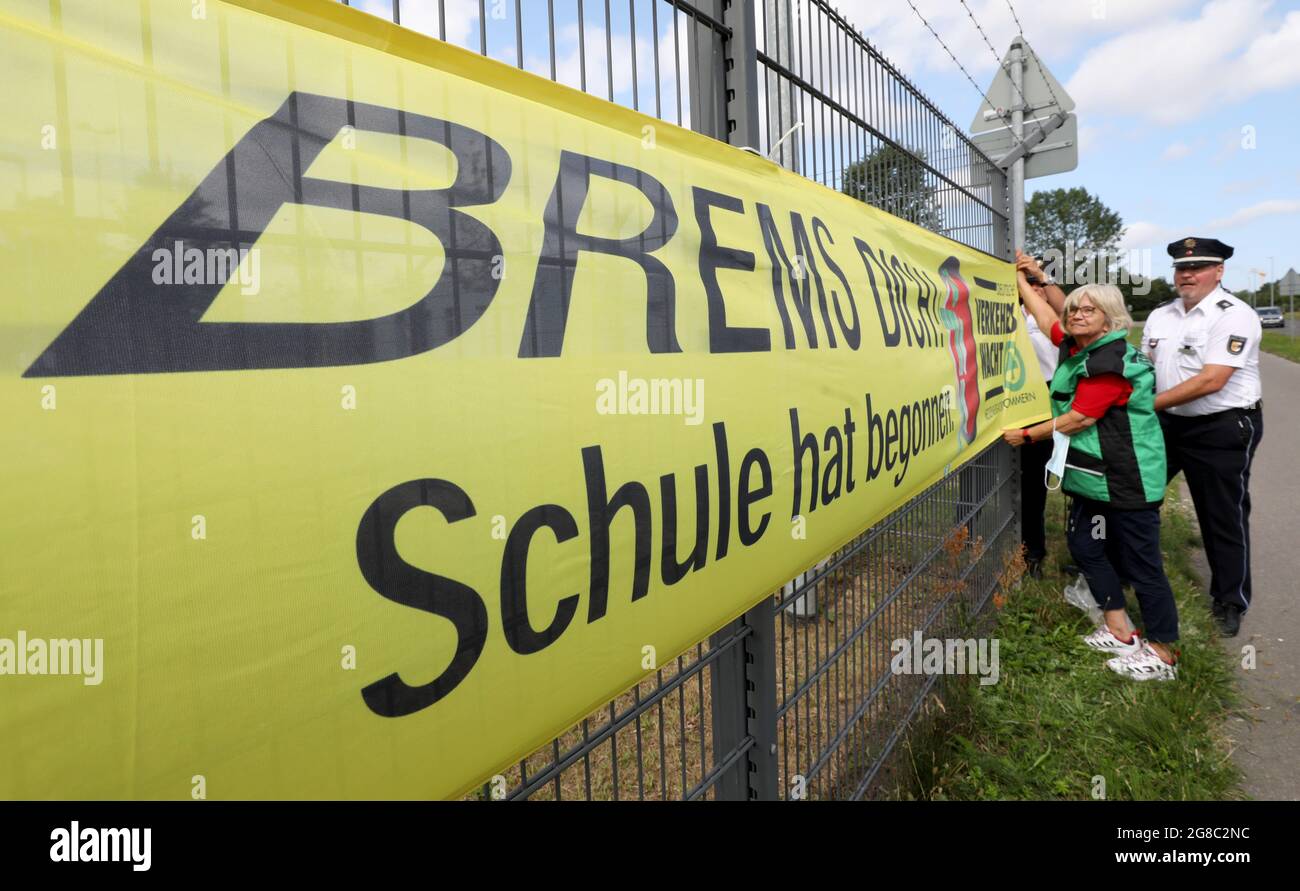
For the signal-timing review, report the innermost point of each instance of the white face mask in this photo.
(1056, 464)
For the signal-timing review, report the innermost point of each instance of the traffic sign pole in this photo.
(1290, 286)
(1038, 104)
(1016, 183)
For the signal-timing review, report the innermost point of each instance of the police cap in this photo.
(1198, 251)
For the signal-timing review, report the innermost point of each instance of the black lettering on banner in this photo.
(906, 440)
(392, 577)
(801, 445)
(548, 309)
(724, 488)
(875, 442)
(134, 326)
(669, 568)
(519, 632)
(923, 335)
(900, 305)
(849, 429)
(601, 512)
(891, 439)
(803, 248)
(747, 496)
(834, 464)
(800, 278)
(724, 338)
(891, 337)
(852, 333)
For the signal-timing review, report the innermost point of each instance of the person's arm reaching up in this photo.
(1037, 306)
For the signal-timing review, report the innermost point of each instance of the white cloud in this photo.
(1232, 50)
(1273, 207)
(1055, 30)
(1242, 186)
(460, 17)
(1155, 236)
(1146, 236)
(1089, 137)
(570, 57)
(1273, 59)
(1176, 152)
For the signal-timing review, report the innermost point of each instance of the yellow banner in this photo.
(373, 410)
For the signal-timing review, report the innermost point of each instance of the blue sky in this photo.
(1187, 109)
(1168, 93)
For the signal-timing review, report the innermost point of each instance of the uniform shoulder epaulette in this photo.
(1224, 304)
(1165, 302)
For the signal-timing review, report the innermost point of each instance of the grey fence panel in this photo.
(797, 698)
(837, 111)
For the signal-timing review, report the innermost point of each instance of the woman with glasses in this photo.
(1103, 407)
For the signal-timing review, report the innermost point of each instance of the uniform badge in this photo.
(1236, 345)
(1224, 304)
(1189, 243)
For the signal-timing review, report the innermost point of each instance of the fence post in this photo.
(1012, 464)
(705, 64)
(744, 679)
(999, 197)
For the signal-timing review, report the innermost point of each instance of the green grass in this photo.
(1058, 718)
(1280, 344)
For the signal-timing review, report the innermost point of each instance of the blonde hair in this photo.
(1107, 298)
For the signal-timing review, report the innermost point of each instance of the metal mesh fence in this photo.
(797, 699)
(836, 110)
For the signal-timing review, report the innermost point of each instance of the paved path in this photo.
(1267, 736)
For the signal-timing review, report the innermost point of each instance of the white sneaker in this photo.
(1102, 639)
(1079, 595)
(1143, 665)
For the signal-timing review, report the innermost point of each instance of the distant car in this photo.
(1270, 317)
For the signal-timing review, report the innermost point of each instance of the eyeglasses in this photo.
(1085, 311)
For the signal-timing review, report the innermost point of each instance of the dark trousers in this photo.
(1033, 497)
(1215, 452)
(1095, 531)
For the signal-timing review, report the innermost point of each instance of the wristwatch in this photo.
(1024, 431)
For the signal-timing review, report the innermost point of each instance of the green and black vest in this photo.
(1121, 458)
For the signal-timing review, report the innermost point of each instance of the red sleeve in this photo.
(1094, 395)
(1056, 334)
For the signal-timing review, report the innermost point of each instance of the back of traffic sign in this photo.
(1043, 93)
(1289, 286)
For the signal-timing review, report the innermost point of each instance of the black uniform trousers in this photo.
(1215, 452)
(1033, 497)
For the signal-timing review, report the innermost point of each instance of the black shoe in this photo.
(1228, 617)
(1034, 567)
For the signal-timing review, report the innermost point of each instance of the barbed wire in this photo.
(1024, 101)
(1021, 30)
(1002, 114)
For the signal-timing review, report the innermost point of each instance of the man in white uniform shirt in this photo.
(1205, 346)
